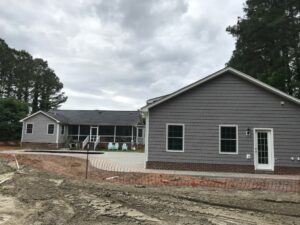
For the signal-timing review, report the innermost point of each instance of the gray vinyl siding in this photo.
(226, 99)
(40, 130)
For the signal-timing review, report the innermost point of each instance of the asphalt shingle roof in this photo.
(96, 117)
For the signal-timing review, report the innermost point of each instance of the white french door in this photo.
(263, 149)
(93, 134)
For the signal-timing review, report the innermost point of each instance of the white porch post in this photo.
(137, 135)
(146, 137)
(78, 132)
(115, 131)
(23, 128)
(131, 135)
(57, 134)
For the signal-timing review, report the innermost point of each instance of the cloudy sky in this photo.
(115, 54)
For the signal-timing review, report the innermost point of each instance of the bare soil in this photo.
(36, 197)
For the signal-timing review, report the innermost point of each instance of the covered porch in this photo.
(99, 136)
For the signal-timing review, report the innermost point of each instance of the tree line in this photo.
(27, 84)
(29, 80)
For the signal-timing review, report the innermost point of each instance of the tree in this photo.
(12, 111)
(268, 43)
(47, 88)
(29, 80)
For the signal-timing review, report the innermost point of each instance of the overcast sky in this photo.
(115, 54)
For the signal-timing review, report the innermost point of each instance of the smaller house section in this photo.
(81, 129)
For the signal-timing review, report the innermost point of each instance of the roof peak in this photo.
(216, 74)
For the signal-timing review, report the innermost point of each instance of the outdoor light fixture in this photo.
(248, 131)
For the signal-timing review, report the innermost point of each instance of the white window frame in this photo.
(62, 129)
(26, 128)
(53, 128)
(237, 139)
(167, 136)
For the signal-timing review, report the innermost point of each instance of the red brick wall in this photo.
(217, 167)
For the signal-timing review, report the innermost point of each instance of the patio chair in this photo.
(124, 147)
(110, 146)
(116, 147)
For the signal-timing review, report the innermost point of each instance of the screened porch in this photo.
(104, 134)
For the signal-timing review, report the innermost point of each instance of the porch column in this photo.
(78, 132)
(115, 131)
(57, 134)
(131, 134)
(137, 135)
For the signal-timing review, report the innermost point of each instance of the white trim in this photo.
(26, 128)
(216, 74)
(271, 149)
(147, 115)
(23, 124)
(78, 135)
(236, 138)
(167, 136)
(48, 128)
(38, 113)
(57, 134)
(115, 132)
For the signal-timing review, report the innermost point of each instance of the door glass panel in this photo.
(262, 147)
(93, 134)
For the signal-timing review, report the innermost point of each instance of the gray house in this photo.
(228, 121)
(82, 129)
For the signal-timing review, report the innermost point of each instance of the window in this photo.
(175, 137)
(50, 128)
(62, 129)
(140, 132)
(29, 128)
(228, 139)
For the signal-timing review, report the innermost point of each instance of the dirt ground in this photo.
(36, 197)
(5, 148)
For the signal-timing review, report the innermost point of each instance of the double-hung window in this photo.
(51, 128)
(228, 140)
(29, 128)
(175, 137)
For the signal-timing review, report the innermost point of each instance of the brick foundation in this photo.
(33, 145)
(216, 167)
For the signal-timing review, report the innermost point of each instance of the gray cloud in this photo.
(115, 54)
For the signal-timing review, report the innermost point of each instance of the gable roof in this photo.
(40, 112)
(233, 71)
(92, 117)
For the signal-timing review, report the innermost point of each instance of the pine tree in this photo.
(29, 80)
(268, 43)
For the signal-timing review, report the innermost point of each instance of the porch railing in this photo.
(85, 142)
(97, 142)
